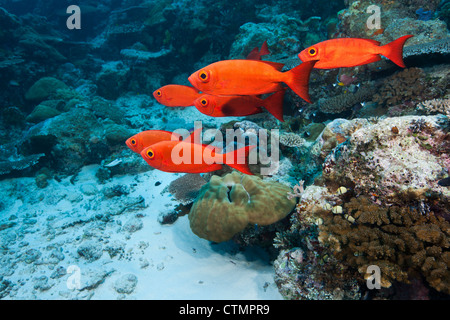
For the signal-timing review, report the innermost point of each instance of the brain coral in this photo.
(226, 205)
(44, 88)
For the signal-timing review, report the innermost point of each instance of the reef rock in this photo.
(44, 88)
(379, 204)
(112, 80)
(42, 112)
(284, 35)
(397, 19)
(393, 155)
(77, 145)
(126, 284)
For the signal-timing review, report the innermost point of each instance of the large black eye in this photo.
(133, 142)
(204, 102)
(150, 154)
(203, 76)
(312, 51)
(158, 93)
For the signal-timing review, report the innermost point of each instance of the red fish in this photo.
(251, 77)
(188, 157)
(352, 52)
(256, 54)
(144, 139)
(239, 106)
(174, 95)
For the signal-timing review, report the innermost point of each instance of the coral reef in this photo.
(412, 5)
(391, 212)
(334, 134)
(406, 89)
(345, 101)
(436, 106)
(186, 188)
(291, 140)
(305, 269)
(398, 18)
(443, 12)
(441, 46)
(13, 161)
(225, 206)
(83, 140)
(44, 88)
(42, 112)
(112, 80)
(376, 154)
(19, 163)
(317, 277)
(282, 33)
(400, 240)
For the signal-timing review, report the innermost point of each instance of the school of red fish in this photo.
(234, 88)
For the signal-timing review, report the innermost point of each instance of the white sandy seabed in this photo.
(76, 241)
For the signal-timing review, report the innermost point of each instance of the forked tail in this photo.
(238, 159)
(394, 50)
(274, 104)
(298, 79)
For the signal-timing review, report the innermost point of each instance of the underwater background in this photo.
(357, 207)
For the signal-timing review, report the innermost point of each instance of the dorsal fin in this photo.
(264, 49)
(253, 54)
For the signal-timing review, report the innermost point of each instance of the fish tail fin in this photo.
(394, 50)
(264, 49)
(239, 159)
(274, 104)
(298, 79)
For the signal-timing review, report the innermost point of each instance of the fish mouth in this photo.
(301, 57)
(192, 81)
(128, 143)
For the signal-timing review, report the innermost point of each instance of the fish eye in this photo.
(203, 76)
(204, 102)
(312, 51)
(150, 154)
(133, 142)
(158, 93)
